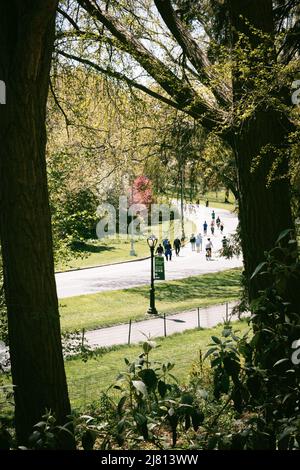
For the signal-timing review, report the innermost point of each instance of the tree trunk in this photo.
(265, 210)
(26, 36)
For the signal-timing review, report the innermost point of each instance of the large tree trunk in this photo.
(26, 38)
(265, 210)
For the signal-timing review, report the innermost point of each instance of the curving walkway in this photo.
(126, 275)
(155, 327)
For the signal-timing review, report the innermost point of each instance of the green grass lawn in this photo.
(86, 380)
(216, 199)
(115, 250)
(99, 252)
(109, 308)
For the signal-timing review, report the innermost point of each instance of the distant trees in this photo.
(26, 36)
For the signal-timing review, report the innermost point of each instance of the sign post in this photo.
(159, 268)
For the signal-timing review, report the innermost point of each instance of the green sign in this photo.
(159, 268)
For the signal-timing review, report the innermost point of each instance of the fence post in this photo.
(198, 312)
(165, 325)
(129, 332)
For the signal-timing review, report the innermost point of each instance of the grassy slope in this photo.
(217, 200)
(99, 252)
(87, 380)
(108, 308)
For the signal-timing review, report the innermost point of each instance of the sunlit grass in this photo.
(112, 307)
(86, 380)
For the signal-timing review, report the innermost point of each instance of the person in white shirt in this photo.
(199, 243)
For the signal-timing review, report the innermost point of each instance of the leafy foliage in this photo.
(260, 373)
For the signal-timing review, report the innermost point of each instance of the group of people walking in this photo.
(165, 248)
(214, 222)
(196, 242)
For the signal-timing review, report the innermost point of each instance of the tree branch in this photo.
(68, 17)
(180, 90)
(192, 51)
(124, 78)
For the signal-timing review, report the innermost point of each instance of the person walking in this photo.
(218, 221)
(212, 227)
(177, 245)
(207, 203)
(213, 215)
(205, 228)
(165, 242)
(168, 252)
(224, 242)
(208, 249)
(199, 243)
(160, 250)
(222, 226)
(193, 241)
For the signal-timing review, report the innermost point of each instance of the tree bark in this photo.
(26, 38)
(265, 210)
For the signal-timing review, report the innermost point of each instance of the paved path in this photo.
(126, 275)
(176, 323)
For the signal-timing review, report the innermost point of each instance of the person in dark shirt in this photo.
(168, 252)
(193, 242)
(160, 250)
(177, 245)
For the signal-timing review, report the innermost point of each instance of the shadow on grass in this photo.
(90, 248)
(215, 285)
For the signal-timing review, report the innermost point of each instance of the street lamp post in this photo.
(132, 250)
(152, 240)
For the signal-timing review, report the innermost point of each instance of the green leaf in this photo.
(287, 432)
(283, 234)
(121, 404)
(148, 345)
(216, 340)
(187, 399)
(140, 419)
(232, 366)
(258, 269)
(140, 387)
(162, 388)
(209, 352)
(197, 419)
(149, 377)
(226, 332)
(280, 362)
(215, 362)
